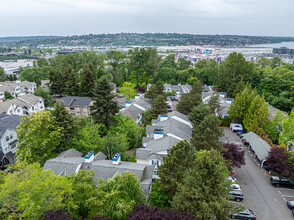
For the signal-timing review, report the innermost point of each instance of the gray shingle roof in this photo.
(132, 111)
(75, 101)
(162, 144)
(143, 154)
(8, 122)
(145, 103)
(70, 153)
(259, 146)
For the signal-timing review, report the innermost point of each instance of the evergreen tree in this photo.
(159, 107)
(104, 107)
(286, 135)
(206, 134)
(205, 190)
(256, 117)
(188, 101)
(56, 81)
(65, 120)
(239, 108)
(275, 126)
(2, 75)
(88, 81)
(178, 160)
(71, 82)
(213, 102)
(154, 91)
(197, 87)
(198, 114)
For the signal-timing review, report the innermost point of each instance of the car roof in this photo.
(247, 211)
(275, 177)
(239, 192)
(291, 202)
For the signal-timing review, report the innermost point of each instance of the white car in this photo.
(236, 187)
(231, 179)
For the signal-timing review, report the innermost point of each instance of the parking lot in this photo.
(267, 201)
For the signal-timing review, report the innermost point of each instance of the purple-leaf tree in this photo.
(278, 160)
(141, 89)
(143, 212)
(234, 154)
(57, 215)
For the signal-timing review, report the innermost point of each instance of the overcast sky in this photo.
(69, 17)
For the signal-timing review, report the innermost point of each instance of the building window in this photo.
(10, 136)
(157, 162)
(33, 108)
(7, 139)
(155, 172)
(152, 162)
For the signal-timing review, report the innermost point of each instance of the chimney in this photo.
(163, 117)
(89, 157)
(128, 104)
(137, 96)
(116, 159)
(158, 133)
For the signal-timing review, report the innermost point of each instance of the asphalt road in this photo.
(267, 201)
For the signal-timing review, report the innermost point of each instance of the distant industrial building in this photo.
(283, 50)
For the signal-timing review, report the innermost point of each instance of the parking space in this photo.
(267, 201)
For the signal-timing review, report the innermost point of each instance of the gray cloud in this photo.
(68, 17)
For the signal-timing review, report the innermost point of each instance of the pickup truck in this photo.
(281, 181)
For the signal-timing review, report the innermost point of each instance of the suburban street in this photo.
(267, 201)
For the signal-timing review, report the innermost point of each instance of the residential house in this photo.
(45, 84)
(224, 101)
(16, 88)
(76, 105)
(70, 162)
(180, 89)
(136, 107)
(22, 105)
(8, 138)
(163, 134)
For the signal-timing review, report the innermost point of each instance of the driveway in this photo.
(268, 202)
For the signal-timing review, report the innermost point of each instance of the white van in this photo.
(236, 127)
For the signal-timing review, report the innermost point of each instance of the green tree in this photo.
(89, 137)
(39, 136)
(85, 196)
(56, 82)
(263, 62)
(119, 195)
(239, 108)
(198, 114)
(158, 197)
(187, 102)
(154, 91)
(112, 143)
(124, 125)
(214, 102)
(42, 62)
(276, 61)
(232, 70)
(88, 80)
(287, 133)
(275, 126)
(69, 128)
(207, 70)
(2, 75)
(197, 87)
(206, 134)
(128, 90)
(104, 107)
(8, 95)
(179, 159)
(256, 117)
(29, 192)
(205, 190)
(159, 107)
(71, 82)
(45, 95)
(183, 64)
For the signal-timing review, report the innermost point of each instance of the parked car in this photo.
(235, 127)
(245, 214)
(236, 195)
(239, 133)
(290, 204)
(236, 187)
(281, 181)
(244, 141)
(231, 179)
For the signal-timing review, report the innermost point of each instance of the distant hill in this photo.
(26, 38)
(147, 39)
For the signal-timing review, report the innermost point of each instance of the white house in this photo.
(22, 105)
(16, 88)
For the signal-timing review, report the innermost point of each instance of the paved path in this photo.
(268, 202)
